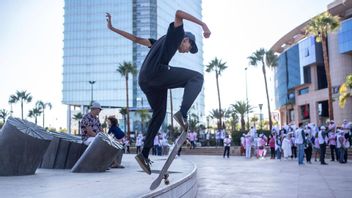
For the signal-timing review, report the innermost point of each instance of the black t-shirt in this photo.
(161, 52)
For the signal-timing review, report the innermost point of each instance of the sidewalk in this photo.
(238, 177)
(127, 182)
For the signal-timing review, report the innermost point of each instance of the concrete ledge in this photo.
(122, 183)
(185, 187)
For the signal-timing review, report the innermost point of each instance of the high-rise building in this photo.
(92, 53)
(300, 78)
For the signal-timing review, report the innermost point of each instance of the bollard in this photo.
(22, 146)
(98, 156)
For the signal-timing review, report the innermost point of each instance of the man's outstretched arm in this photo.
(127, 35)
(180, 15)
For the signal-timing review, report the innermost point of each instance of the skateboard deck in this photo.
(164, 170)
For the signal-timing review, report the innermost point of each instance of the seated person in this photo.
(90, 124)
(118, 134)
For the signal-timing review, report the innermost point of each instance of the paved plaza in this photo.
(217, 177)
(238, 177)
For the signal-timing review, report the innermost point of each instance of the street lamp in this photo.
(247, 98)
(91, 82)
(260, 115)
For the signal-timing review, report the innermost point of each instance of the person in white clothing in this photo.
(286, 146)
(248, 145)
(139, 142)
(217, 138)
(322, 136)
(227, 145)
(300, 142)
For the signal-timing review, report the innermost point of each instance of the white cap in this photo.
(95, 105)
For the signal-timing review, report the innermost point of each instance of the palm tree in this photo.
(345, 91)
(123, 112)
(35, 112)
(215, 114)
(144, 115)
(193, 121)
(78, 117)
(40, 104)
(242, 108)
(217, 66)
(125, 69)
(21, 96)
(233, 119)
(12, 100)
(254, 120)
(320, 26)
(3, 115)
(267, 59)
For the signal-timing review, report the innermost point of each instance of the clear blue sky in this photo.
(31, 39)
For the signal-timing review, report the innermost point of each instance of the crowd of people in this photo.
(306, 140)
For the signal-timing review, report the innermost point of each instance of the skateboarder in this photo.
(156, 76)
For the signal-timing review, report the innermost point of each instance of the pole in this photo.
(247, 99)
(261, 124)
(172, 113)
(91, 82)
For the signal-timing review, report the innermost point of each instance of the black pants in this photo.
(179, 151)
(334, 151)
(294, 152)
(226, 151)
(138, 149)
(322, 153)
(272, 152)
(308, 152)
(156, 89)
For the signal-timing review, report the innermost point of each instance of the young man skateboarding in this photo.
(156, 76)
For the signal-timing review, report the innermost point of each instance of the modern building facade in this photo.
(92, 53)
(300, 79)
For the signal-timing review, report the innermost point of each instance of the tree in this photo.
(217, 66)
(242, 108)
(78, 117)
(233, 119)
(40, 104)
(254, 120)
(12, 100)
(123, 112)
(35, 112)
(320, 26)
(144, 115)
(3, 114)
(267, 59)
(345, 91)
(215, 114)
(21, 96)
(193, 121)
(125, 69)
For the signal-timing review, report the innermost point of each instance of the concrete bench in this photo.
(22, 146)
(99, 155)
(63, 151)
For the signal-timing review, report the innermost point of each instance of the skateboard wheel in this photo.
(167, 182)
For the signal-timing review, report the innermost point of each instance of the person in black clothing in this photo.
(115, 130)
(156, 76)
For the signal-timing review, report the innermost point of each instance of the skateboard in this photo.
(164, 174)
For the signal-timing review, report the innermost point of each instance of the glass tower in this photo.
(92, 52)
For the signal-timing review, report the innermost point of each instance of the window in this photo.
(305, 112)
(303, 91)
(306, 74)
(306, 52)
